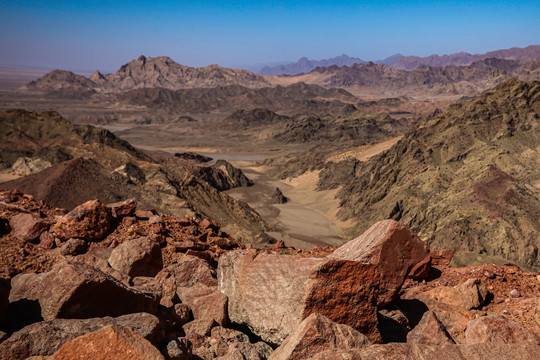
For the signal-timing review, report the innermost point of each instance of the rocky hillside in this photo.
(381, 80)
(183, 289)
(465, 179)
(158, 72)
(294, 98)
(463, 58)
(66, 164)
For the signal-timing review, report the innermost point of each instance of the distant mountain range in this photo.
(157, 72)
(401, 62)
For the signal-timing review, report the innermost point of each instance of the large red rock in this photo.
(76, 290)
(273, 293)
(110, 342)
(46, 337)
(123, 208)
(138, 257)
(396, 351)
(468, 295)
(27, 227)
(89, 221)
(497, 328)
(205, 303)
(429, 331)
(315, 334)
(392, 247)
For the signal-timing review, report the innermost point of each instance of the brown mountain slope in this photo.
(467, 179)
(293, 98)
(463, 58)
(90, 163)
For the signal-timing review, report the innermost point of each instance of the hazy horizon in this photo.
(104, 35)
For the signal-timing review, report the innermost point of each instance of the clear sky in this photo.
(88, 35)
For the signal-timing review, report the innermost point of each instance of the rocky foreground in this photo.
(120, 282)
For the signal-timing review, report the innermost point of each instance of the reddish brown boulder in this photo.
(429, 331)
(190, 270)
(138, 257)
(200, 327)
(73, 247)
(205, 303)
(315, 334)
(110, 342)
(75, 290)
(273, 293)
(392, 247)
(209, 224)
(89, 221)
(441, 257)
(396, 351)
(27, 227)
(144, 214)
(46, 337)
(421, 270)
(468, 295)
(46, 241)
(123, 208)
(497, 328)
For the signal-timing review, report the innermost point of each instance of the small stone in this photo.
(128, 221)
(123, 208)
(209, 224)
(27, 227)
(489, 274)
(183, 312)
(515, 293)
(506, 312)
(46, 241)
(144, 214)
(155, 219)
(73, 247)
(179, 349)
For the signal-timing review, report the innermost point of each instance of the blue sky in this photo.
(88, 35)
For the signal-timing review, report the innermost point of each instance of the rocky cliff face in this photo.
(465, 179)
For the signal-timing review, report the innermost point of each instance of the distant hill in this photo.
(158, 72)
(304, 65)
(463, 58)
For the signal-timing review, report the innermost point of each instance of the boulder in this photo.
(110, 342)
(27, 227)
(315, 334)
(89, 221)
(138, 257)
(124, 208)
(392, 247)
(468, 295)
(205, 303)
(46, 337)
(46, 241)
(421, 270)
(429, 331)
(273, 293)
(76, 290)
(201, 327)
(497, 328)
(247, 351)
(73, 247)
(97, 257)
(441, 257)
(190, 270)
(396, 351)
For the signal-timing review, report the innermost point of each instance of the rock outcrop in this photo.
(273, 293)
